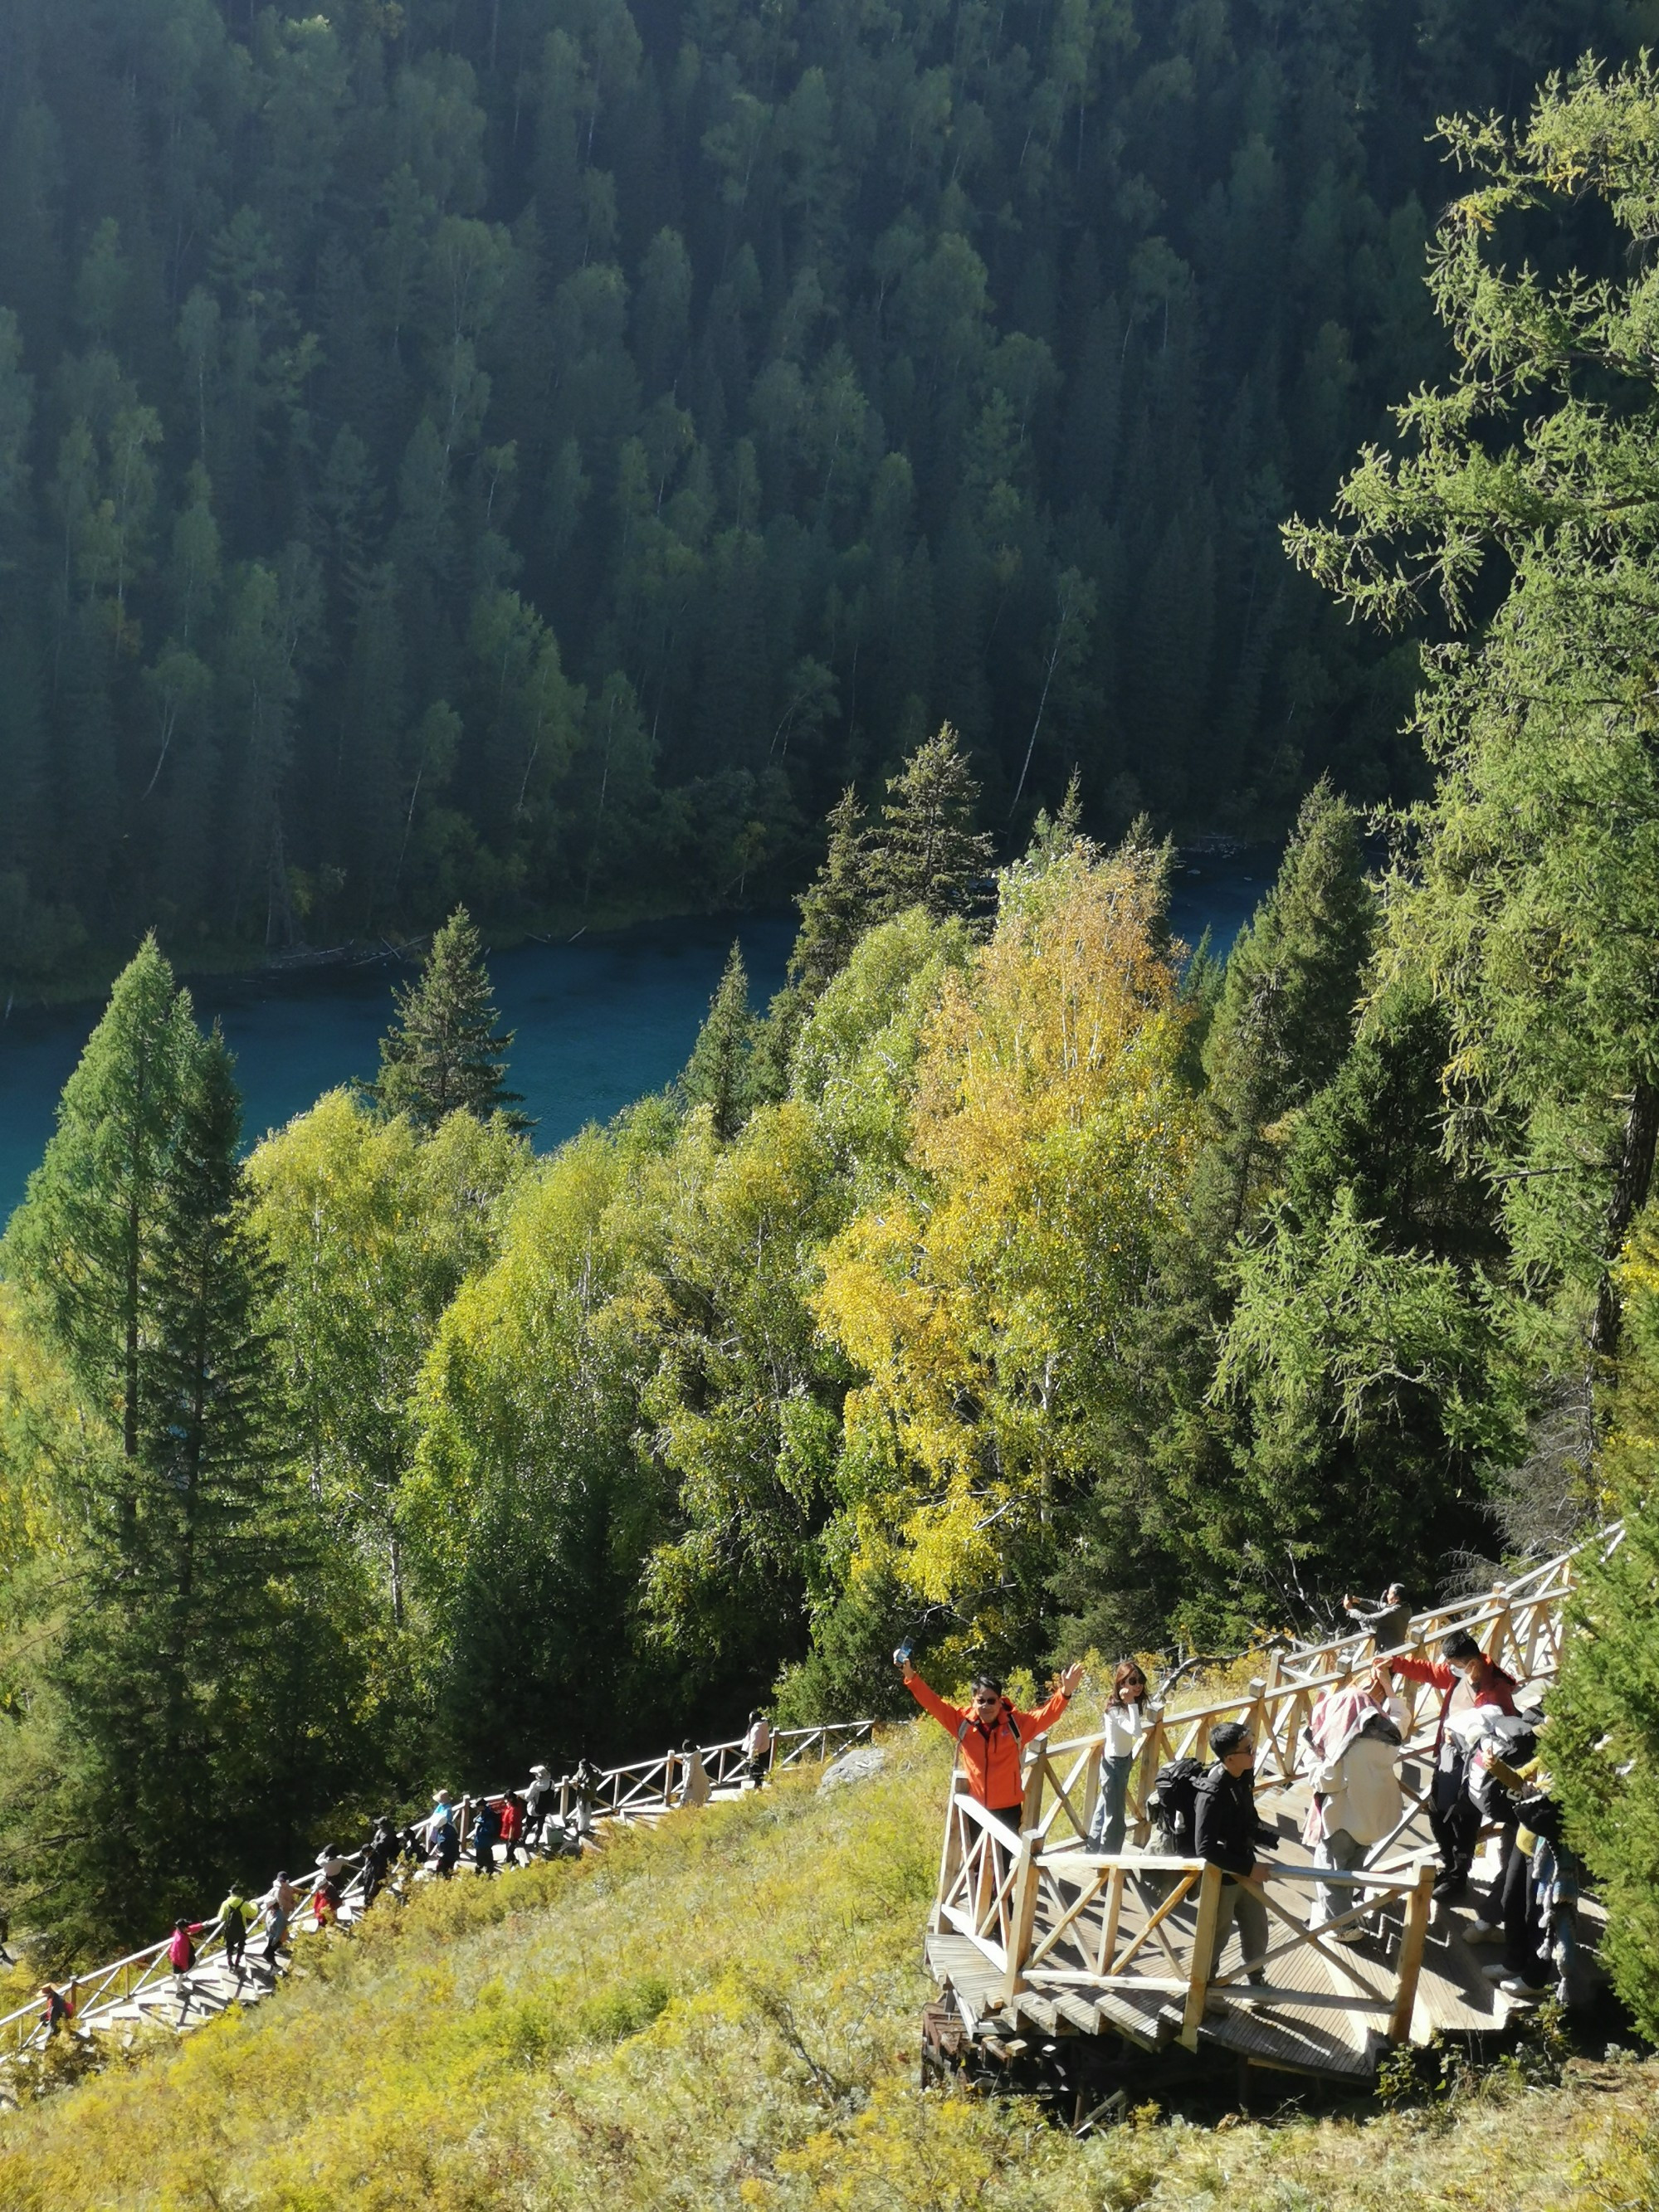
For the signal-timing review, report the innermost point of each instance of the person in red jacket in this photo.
(1469, 1680)
(990, 1731)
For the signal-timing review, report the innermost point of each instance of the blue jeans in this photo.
(1107, 1829)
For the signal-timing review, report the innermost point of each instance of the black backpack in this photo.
(1173, 1803)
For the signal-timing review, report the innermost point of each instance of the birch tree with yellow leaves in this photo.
(981, 1301)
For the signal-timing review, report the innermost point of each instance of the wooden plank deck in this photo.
(1325, 2011)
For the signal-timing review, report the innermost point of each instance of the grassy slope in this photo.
(722, 2014)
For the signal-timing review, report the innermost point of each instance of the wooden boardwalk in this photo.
(141, 1992)
(1036, 1936)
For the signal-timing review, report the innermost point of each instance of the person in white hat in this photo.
(539, 1802)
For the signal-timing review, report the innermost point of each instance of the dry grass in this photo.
(723, 2014)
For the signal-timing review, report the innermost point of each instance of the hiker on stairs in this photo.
(486, 1827)
(443, 1836)
(757, 1750)
(539, 1799)
(989, 1732)
(1470, 1681)
(1227, 1832)
(695, 1787)
(278, 1904)
(232, 1926)
(1350, 1754)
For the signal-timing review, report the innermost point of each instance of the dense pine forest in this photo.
(532, 454)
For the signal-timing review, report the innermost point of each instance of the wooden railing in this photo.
(1042, 1907)
(647, 1786)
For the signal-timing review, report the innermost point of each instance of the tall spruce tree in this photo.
(718, 1074)
(81, 1246)
(926, 851)
(1287, 1010)
(160, 1698)
(444, 1055)
(834, 908)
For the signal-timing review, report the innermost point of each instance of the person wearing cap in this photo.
(539, 1802)
(278, 1904)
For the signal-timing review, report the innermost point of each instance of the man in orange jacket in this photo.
(990, 1732)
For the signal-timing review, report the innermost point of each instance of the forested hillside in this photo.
(534, 454)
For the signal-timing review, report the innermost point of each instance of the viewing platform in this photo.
(1035, 1939)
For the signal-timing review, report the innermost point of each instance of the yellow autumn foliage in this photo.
(981, 1298)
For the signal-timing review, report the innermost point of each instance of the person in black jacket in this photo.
(1226, 1831)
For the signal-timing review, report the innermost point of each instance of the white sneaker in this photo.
(1513, 1986)
(1499, 1974)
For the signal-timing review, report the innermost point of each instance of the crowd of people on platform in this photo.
(1487, 1777)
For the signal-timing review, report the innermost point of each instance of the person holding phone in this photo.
(1123, 1726)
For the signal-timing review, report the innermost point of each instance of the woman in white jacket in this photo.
(1123, 1726)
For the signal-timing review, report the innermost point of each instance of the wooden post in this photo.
(1198, 1980)
(1021, 1917)
(949, 1863)
(1090, 1792)
(1031, 1809)
(1114, 1913)
(1418, 1907)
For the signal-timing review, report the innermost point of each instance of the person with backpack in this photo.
(377, 1855)
(757, 1750)
(232, 1926)
(58, 2006)
(1350, 1754)
(1122, 1725)
(486, 1830)
(1472, 1683)
(1226, 1831)
(990, 1732)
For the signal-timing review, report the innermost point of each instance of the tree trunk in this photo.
(1629, 1195)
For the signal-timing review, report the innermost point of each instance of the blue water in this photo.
(600, 1021)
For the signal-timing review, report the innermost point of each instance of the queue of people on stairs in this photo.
(518, 1822)
(1486, 1773)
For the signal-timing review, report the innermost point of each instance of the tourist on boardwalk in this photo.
(584, 1791)
(486, 1829)
(511, 1829)
(278, 1904)
(695, 1787)
(989, 1732)
(381, 1850)
(1350, 1754)
(1123, 1725)
(58, 2006)
(232, 1926)
(181, 1954)
(443, 1836)
(1536, 1880)
(1226, 1833)
(1471, 1682)
(1389, 1619)
(757, 1750)
(539, 1799)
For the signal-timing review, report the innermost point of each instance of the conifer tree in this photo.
(1604, 1709)
(443, 1053)
(926, 851)
(80, 1247)
(718, 1074)
(1287, 1010)
(834, 908)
